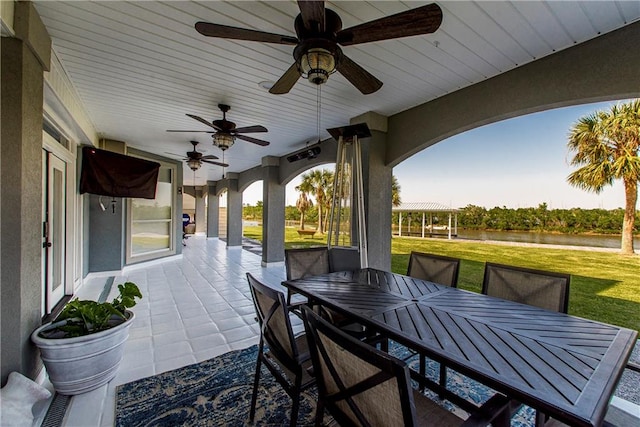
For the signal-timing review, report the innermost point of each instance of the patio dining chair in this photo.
(544, 289)
(539, 288)
(362, 386)
(300, 263)
(344, 258)
(285, 355)
(434, 268)
(439, 269)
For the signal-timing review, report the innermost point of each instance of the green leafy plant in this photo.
(84, 317)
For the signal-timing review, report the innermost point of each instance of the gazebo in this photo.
(428, 208)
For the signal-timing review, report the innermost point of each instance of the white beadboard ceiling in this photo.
(140, 66)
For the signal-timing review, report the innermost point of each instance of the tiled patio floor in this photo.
(193, 309)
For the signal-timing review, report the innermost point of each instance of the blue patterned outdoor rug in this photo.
(217, 392)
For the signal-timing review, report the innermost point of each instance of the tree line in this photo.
(472, 217)
(574, 220)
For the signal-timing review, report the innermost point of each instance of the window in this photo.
(151, 228)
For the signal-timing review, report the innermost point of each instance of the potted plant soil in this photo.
(82, 348)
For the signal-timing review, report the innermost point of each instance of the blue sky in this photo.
(519, 162)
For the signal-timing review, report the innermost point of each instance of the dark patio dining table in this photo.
(566, 366)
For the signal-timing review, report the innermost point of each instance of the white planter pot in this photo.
(81, 364)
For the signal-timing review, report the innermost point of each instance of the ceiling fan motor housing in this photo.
(332, 25)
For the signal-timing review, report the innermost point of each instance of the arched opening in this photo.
(222, 214)
(252, 213)
(308, 206)
(510, 176)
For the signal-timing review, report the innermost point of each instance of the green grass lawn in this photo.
(605, 286)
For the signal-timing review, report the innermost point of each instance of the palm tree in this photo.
(395, 192)
(606, 145)
(321, 181)
(318, 183)
(328, 201)
(304, 203)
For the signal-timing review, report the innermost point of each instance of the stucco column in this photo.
(377, 190)
(201, 215)
(213, 211)
(273, 196)
(23, 60)
(234, 212)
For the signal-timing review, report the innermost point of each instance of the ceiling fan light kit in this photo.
(223, 141)
(194, 164)
(316, 64)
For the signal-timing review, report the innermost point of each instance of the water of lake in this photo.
(598, 241)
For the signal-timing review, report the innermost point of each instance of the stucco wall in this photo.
(106, 231)
(605, 68)
(21, 209)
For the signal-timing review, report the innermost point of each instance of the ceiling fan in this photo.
(319, 33)
(195, 159)
(226, 131)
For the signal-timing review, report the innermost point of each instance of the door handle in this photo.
(47, 245)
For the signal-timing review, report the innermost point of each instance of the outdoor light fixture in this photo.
(223, 140)
(194, 164)
(316, 64)
(307, 153)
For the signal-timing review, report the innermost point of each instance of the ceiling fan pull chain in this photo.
(318, 107)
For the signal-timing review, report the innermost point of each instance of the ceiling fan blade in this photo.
(286, 82)
(358, 76)
(254, 140)
(226, 32)
(201, 120)
(421, 20)
(209, 157)
(250, 129)
(201, 131)
(224, 165)
(312, 12)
